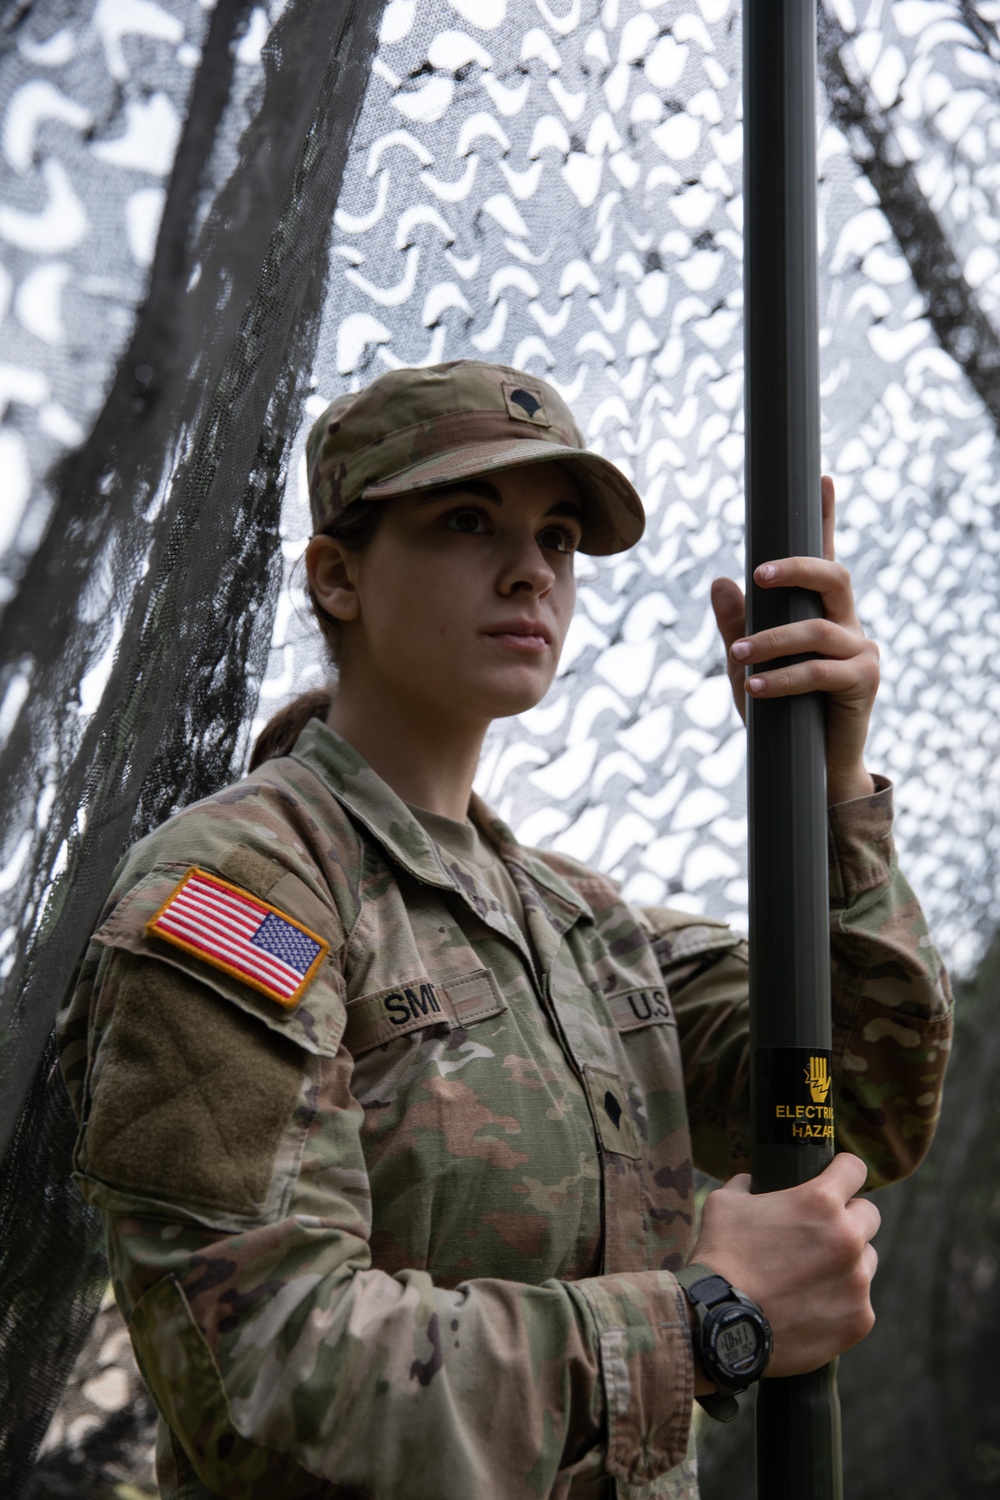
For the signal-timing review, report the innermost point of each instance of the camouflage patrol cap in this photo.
(416, 429)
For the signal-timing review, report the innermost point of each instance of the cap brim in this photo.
(613, 517)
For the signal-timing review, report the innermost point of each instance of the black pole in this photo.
(798, 1419)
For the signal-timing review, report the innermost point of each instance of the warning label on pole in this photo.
(794, 1103)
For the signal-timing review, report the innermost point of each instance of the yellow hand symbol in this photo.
(818, 1079)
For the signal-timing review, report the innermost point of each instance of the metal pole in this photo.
(798, 1419)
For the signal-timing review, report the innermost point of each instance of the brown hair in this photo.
(355, 527)
(280, 732)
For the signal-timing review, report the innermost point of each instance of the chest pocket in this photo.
(417, 1003)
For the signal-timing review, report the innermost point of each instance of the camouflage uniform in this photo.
(414, 1235)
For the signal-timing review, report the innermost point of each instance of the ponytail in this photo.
(280, 733)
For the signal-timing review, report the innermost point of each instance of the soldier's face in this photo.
(465, 594)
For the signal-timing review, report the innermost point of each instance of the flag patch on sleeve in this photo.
(241, 935)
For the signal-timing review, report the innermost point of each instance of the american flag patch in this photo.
(245, 937)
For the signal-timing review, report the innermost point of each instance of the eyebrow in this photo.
(486, 491)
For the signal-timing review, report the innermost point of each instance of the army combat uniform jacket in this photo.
(403, 1222)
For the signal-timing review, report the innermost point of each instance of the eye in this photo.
(559, 539)
(468, 519)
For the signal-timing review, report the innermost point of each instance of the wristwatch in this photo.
(732, 1338)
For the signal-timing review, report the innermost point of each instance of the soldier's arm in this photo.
(891, 1008)
(892, 1013)
(229, 1166)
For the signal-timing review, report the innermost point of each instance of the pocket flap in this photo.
(699, 937)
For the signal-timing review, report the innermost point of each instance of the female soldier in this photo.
(391, 1119)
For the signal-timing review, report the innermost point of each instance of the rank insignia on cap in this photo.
(241, 935)
(524, 404)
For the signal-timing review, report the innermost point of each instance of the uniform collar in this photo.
(370, 800)
(513, 853)
(374, 804)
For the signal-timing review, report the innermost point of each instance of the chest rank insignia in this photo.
(241, 935)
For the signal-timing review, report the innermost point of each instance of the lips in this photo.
(529, 630)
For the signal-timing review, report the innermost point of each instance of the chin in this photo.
(517, 703)
(505, 700)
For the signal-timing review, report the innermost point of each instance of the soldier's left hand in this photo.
(844, 666)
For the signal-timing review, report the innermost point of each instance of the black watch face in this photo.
(739, 1344)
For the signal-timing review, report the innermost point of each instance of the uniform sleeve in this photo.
(892, 1015)
(228, 1162)
(891, 1009)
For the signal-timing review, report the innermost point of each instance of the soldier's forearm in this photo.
(891, 997)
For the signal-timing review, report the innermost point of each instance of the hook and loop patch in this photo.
(242, 935)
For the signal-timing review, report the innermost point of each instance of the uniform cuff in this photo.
(643, 1335)
(861, 846)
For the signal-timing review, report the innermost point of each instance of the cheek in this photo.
(417, 625)
(565, 603)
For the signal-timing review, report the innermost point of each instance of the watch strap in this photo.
(695, 1272)
(710, 1289)
(705, 1289)
(722, 1408)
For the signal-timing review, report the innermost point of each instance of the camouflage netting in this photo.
(553, 186)
(125, 694)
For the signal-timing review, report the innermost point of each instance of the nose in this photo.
(526, 568)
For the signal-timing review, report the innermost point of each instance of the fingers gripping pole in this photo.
(798, 1422)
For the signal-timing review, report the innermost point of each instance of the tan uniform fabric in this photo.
(473, 859)
(414, 1237)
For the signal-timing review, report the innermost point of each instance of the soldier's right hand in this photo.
(804, 1254)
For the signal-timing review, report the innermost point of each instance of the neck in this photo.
(430, 765)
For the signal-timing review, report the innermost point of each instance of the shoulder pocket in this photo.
(219, 947)
(696, 938)
(419, 1002)
(686, 945)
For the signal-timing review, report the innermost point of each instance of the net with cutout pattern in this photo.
(216, 217)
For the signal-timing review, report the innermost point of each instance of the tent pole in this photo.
(798, 1421)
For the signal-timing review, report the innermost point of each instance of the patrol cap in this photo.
(413, 430)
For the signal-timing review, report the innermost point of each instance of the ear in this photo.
(331, 569)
